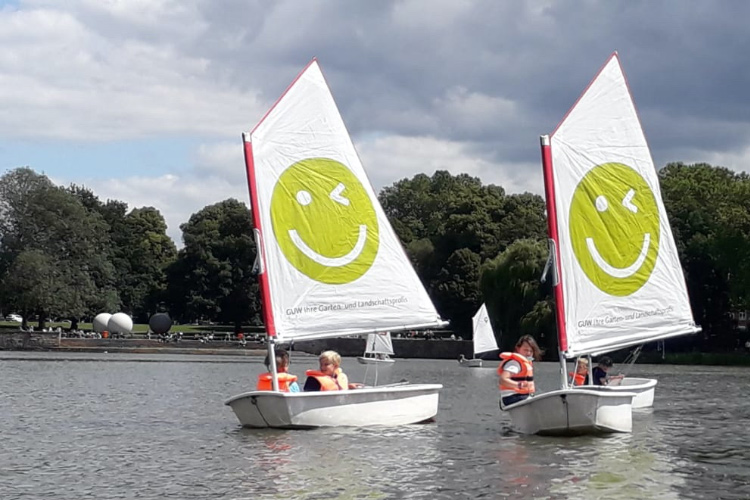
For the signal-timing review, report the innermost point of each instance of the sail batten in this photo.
(332, 262)
(621, 279)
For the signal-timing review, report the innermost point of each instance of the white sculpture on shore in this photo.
(101, 322)
(120, 323)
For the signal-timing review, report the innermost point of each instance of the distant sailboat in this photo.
(483, 338)
(617, 277)
(330, 264)
(378, 349)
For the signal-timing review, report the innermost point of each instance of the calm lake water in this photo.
(106, 426)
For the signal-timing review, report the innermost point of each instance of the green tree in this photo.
(143, 251)
(709, 211)
(16, 187)
(450, 225)
(212, 277)
(516, 300)
(140, 252)
(33, 280)
(51, 248)
(457, 291)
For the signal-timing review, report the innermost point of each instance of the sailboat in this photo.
(616, 272)
(329, 263)
(378, 349)
(483, 338)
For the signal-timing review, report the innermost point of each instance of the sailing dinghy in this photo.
(616, 273)
(330, 265)
(378, 350)
(483, 338)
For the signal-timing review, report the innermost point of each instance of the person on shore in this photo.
(287, 381)
(581, 375)
(517, 372)
(329, 377)
(600, 372)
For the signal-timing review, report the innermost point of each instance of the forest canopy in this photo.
(64, 253)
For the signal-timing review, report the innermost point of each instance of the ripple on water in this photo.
(147, 430)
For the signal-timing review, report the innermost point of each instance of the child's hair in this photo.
(331, 356)
(282, 359)
(538, 353)
(606, 361)
(583, 361)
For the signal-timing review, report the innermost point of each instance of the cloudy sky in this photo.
(145, 101)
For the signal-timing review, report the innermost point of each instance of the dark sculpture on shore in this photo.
(160, 323)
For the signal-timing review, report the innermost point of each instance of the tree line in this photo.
(64, 253)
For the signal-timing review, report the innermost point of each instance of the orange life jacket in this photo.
(338, 382)
(525, 375)
(578, 378)
(265, 382)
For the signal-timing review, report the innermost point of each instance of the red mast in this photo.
(552, 228)
(265, 293)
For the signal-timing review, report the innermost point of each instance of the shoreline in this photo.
(205, 351)
(346, 347)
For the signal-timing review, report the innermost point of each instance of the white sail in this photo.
(484, 337)
(620, 272)
(379, 343)
(334, 265)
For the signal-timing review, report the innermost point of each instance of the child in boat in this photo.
(581, 375)
(516, 371)
(330, 377)
(600, 372)
(287, 381)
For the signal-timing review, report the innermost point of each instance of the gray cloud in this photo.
(421, 84)
(398, 67)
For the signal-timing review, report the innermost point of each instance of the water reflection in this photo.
(323, 463)
(520, 473)
(615, 467)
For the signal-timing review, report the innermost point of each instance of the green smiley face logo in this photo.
(614, 228)
(324, 221)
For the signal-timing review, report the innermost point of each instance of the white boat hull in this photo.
(389, 406)
(364, 360)
(470, 363)
(642, 387)
(573, 412)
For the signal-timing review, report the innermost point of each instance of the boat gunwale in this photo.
(566, 392)
(314, 394)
